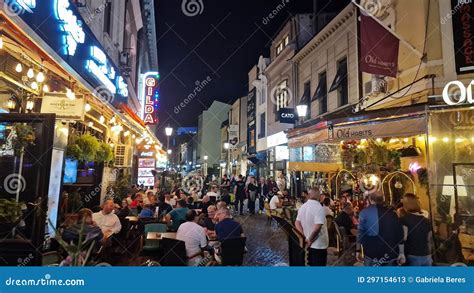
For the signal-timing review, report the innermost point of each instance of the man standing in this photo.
(107, 221)
(262, 191)
(311, 222)
(239, 191)
(380, 233)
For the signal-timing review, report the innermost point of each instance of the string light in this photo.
(405, 140)
(30, 73)
(40, 77)
(459, 140)
(433, 139)
(34, 85)
(87, 107)
(112, 120)
(70, 94)
(1, 40)
(91, 124)
(45, 88)
(126, 133)
(379, 140)
(102, 119)
(445, 139)
(19, 67)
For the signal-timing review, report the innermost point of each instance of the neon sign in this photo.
(99, 66)
(27, 5)
(70, 25)
(151, 97)
(464, 93)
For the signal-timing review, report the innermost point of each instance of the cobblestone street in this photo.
(267, 244)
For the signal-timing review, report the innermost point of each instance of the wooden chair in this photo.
(174, 252)
(232, 251)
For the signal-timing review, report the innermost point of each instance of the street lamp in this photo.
(168, 131)
(205, 165)
(169, 151)
(227, 147)
(302, 110)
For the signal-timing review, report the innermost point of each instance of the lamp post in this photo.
(302, 110)
(168, 132)
(227, 147)
(205, 165)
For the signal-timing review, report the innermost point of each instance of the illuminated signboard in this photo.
(69, 36)
(151, 94)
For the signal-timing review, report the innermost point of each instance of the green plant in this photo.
(105, 153)
(120, 188)
(83, 148)
(24, 136)
(423, 177)
(10, 210)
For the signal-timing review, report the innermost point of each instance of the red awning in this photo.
(132, 114)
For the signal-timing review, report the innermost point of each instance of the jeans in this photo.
(239, 199)
(419, 261)
(251, 206)
(374, 262)
(261, 200)
(317, 257)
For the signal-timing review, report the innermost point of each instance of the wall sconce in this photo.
(11, 104)
(30, 104)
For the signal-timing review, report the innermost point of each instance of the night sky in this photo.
(223, 42)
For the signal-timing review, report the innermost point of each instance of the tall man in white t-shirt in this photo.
(311, 221)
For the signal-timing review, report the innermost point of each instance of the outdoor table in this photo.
(132, 218)
(159, 236)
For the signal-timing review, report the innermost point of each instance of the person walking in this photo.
(262, 192)
(311, 222)
(239, 191)
(380, 233)
(416, 232)
(252, 194)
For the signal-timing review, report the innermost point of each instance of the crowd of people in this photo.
(383, 235)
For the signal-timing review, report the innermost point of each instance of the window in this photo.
(108, 17)
(323, 94)
(307, 98)
(281, 46)
(342, 90)
(261, 133)
(281, 96)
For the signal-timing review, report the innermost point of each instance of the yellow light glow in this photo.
(459, 139)
(30, 73)
(445, 139)
(394, 140)
(421, 138)
(432, 139)
(378, 140)
(405, 140)
(91, 124)
(363, 140)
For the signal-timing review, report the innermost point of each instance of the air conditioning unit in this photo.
(377, 85)
(123, 156)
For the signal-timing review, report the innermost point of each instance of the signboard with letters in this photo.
(74, 41)
(63, 107)
(463, 33)
(287, 115)
(251, 120)
(233, 135)
(151, 97)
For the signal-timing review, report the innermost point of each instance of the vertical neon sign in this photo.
(70, 25)
(151, 97)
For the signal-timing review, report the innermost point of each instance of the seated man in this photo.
(208, 222)
(344, 219)
(85, 224)
(146, 212)
(177, 216)
(205, 203)
(107, 221)
(227, 228)
(221, 205)
(276, 202)
(194, 237)
(163, 207)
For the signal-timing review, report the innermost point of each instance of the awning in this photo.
(132, 114)
(341, 75)
(314, 167)
(306, 98)
(312, 138)
(394, 127)
(321, 89)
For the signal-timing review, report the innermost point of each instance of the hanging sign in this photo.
(151, 94)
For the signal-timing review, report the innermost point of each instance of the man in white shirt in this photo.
(311, 221)
(108, 222)
(194, 237)
(275, 201)
(213, 195)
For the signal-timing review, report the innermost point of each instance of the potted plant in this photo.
(104, 154)
(83, 148)
(10, 215)
(24, 136)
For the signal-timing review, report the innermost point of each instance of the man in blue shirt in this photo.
(380, 233)
(226, 228)
(177, 216)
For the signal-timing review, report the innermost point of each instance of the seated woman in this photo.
(84, 224)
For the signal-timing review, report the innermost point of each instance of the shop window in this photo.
(296, 154)
(340, 83)
(308, 154)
